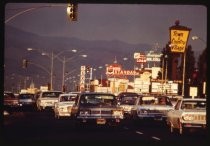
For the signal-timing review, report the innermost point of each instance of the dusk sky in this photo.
(130, 23)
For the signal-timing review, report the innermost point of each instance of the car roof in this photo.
(67, 94)
(52, 91)
(100, 93)
(193, 99)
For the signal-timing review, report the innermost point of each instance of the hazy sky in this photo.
(131, 23)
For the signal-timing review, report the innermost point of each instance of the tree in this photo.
(190, 63)
(202, 72)
(169, 63)
(202, 66)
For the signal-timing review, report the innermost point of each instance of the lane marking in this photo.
(138, 132)
(156, 138)
(126, 128)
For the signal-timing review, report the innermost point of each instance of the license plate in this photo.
(101, 121)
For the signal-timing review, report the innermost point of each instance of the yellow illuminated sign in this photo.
(179, 40)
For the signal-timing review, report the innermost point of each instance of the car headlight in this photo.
(143, 111)
(188, 117)
(84, 112)
(117, 112)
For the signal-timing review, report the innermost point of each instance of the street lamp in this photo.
(204, 42)
(51, 66)
(64, 61)
(178, 40)
(35, 8)
(52, 57)
(198, 38)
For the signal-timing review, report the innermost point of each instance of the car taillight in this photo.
(117, 112)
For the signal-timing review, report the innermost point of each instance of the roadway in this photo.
(32, 127)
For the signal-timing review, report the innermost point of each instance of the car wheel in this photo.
(180, 129)
(38, 108)
(171, 128)
(55, 115)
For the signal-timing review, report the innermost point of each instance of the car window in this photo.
(128, 100)
(193, 105)
(51, 94)
(9, 95)
(96, 100)
(147, 100)
(26, 96)
(67, 98)
(178, 105)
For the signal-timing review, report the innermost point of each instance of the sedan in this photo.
(152, 108)
(98, 109)
(188, 114)
(63, 107)
(47, 99)
(27, 100)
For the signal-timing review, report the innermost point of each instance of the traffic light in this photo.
(72, 11)
(25, 63)
(87, 69)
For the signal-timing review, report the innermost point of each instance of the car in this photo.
(63, 106)
(98, 109)
(27, 100)
(152, 107)
(189, 113)
(128, 102)
(123, 94)
(47, 99)
(10, 100)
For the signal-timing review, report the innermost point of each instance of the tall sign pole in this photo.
(178, 41)
(82, 78)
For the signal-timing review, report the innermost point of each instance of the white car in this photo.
(63, 106)
(128, 103)
(188, 113)
(152, 108)
(47, 99)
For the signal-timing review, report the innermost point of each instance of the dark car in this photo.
(97, 108)
(10, 100)
(27, 100)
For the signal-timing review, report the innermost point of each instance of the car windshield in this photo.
(193, 105)
(51, 94)
(155, 101)
(128, 100)
(9, 95)
(26, 96)
(96, 100)
(65, 98)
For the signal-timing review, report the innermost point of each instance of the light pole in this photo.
(198, 38)
(35, 8)
(52, 57)
(64, 61)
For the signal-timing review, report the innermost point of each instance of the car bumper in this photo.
(100, 120)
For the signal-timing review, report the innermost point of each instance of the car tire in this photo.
(181, 129)
(171, 128)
